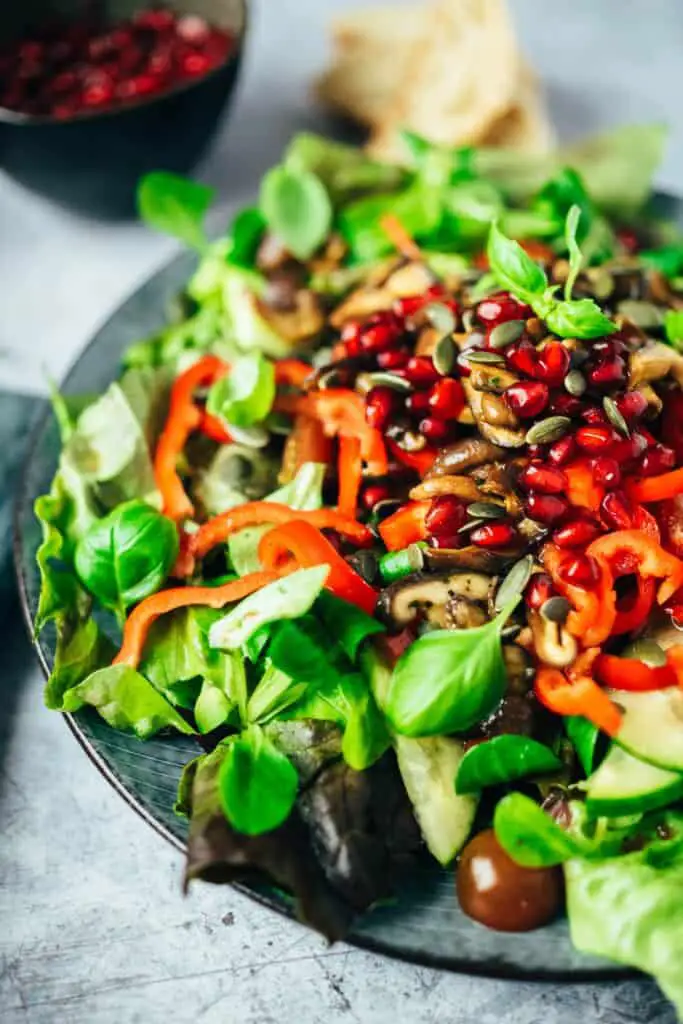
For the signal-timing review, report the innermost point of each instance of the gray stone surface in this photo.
(93, 929)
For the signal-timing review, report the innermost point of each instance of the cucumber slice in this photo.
(624, 785)
(428, 767)
(652, 727)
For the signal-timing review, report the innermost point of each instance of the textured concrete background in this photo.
(93, 929)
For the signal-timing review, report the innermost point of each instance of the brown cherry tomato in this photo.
(500, 894)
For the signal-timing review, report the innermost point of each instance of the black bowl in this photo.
(93, 161)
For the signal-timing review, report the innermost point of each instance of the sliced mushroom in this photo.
(304, 321)
(654, 402)
(272, 254)
(411, 279)
(505, 437)
(517, 664)
(361, 304)
(497, 412)
(493, 379)
(467, 559)
(463, 455)
(332, 255)
(427, 341)
(461, 486)
(553, 644)
(461, 613)
(281, 290)
(654, 361)
(426, 594)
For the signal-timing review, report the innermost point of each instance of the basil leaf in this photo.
(503, 759)
(212, 707)
(287, 598)
(273, 694)
(584, 738)
(127, 556)
(513, 268)
(447, 681)
(245, 396)
(578, 318)
(348, 624)
(575, 257)
(257, 783)
(297, 209)
(176, 206)
(529, 835)
(673, 326)
(246, 232)
(127, 701)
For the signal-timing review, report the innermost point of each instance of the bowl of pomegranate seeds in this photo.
(92, 99)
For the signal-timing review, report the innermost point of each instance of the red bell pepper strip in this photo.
(593, 612)
(645, 521)
(674, 658)
(656, 488)
(647, 556)
(183, 417)
(306, 442)
(300, 543)
(632, 675)
(421, 461)
(582, 488)
(342, 414)
(213, 427)
(405, 526)
(293, 372)
(634, 611)
(350, 473)
(580, 695)
(139, 621)
(257, 513)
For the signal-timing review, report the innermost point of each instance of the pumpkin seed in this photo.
(578, 356)
(331, 378)
(321, 358)
(510, 632)
(643, 314)
(380, 378)
(614, 416)
(575, 383)
(505, 334)
(550, 429)
(514, 583)
(472, 525)
(441, 317)
(486, 510)
(468, 319)
(478, 355)
(647, 651)
(443, 355)
(556, 609)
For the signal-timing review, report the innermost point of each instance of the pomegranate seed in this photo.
(563, 404)
(616, 511)
(98, 95)
(543, 479)
(395, 359)
(658, 459)
(595, 416)
(579, 571)
(628, 448)
(553, 363)
(158, 20)
(436, 431)
(629, 240)
(192, 29)
(608, 372)
(538, 590)
(576, 533)
(497, 309)
(649, 437)
(380, 405)
(447, 398)
(373, 494)
(376, 337)
(445, 516)
(606, 471)
(350, 337)
(409, 305)
(421, 370)
(196, 64)
(521, 356)
(632, 405)
(418, 402)
(494, 535)
(596, 439)
(447, 540)
(527, 398)
(562, 451)
(546, 508)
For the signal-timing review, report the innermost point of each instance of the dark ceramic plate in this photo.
(424, 925)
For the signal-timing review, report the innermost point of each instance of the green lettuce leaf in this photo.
(82, 648)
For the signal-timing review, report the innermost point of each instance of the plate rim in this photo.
(451, 964)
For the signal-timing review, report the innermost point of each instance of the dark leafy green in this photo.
(258, 785)
(529, 835)
(448, 680)
(349, 626)
(297, 209)
(127, 701)
(584, 738)
(176, 206)
(504, 759)
(246, 232)
(673, 327)
(668, 259)
(126, 556)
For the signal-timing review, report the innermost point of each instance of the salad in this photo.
(389, 517)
